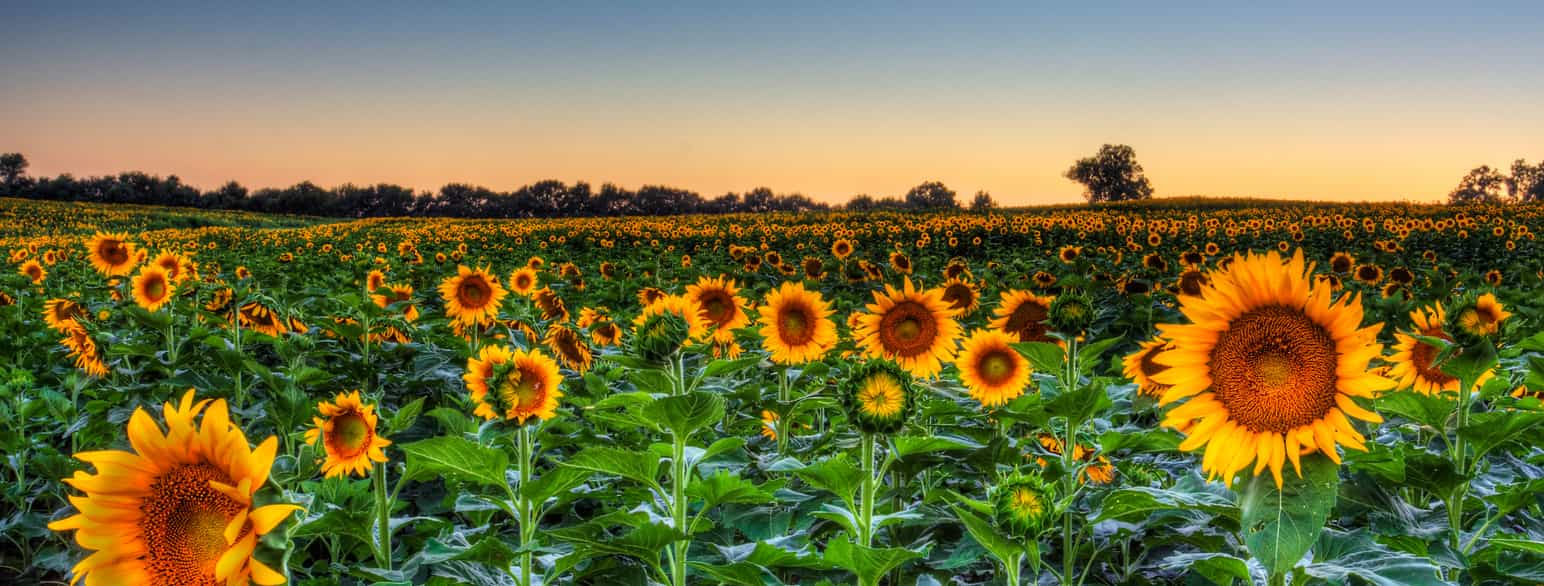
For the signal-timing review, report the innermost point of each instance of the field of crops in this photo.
(1174, 392)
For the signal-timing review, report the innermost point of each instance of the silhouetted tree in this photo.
(13, 173)
(1527, 181)
(931, 195)
(1112, 174)
(229, 196)
(983, 202)
(1482, 184)
(860, 203)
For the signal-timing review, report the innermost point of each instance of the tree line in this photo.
(1525, 183)
(1111, 175)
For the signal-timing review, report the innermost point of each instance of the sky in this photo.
(1315, 100)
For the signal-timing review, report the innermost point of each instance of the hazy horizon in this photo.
(1376, 101)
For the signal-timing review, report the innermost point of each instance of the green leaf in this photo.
(406, 415)
(1518, 544)
(836, 475)
(1338, 556)
(1487, 431)
(907, 445)
(1044, 356)
(727, 367)
(738, 574)
(1279, 525)
(554, 482)
(1190, 493)
(868, 563)
(455, 458)
(1005, 548)
(725, 487)
(1081, 403)
(640, 467)
(686, 414)
(1219, 568)
(1430, 411)
(488, 550)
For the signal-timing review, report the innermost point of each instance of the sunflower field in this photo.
(1171, 392)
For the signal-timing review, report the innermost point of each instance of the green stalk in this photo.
(1069, 473)
(524, 505)
(784, 420)
(1455, 501)
(678, 480)
(382, 518)
(1011, 567)
(866, 505)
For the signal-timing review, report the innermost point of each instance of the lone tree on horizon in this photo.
(1112, 174)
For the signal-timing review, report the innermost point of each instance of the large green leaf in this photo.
(685, 414)
(908, 445)
(1431, 411)
(726, 487)
(1044, 356)
(868, 563)
(1487, 431)
(1190, 493)
(1004, 547)
(1219, 568)
(836, 475)
(1280, 525)
(640, 467)
(455, 458)
(1340, 555)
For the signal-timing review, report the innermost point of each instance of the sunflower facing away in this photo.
(1141, 367)
(178, 510)
(112, 254)
(1270, 366)
(796, 324)
(991, 369)
(348, 435)
(916, 329)
(152, 288)
(514, 385)
(721, 305)
(472, 296)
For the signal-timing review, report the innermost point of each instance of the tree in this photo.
(1112, 174)
(1482, 184)
(983, 202)
(1527, 181)
(931, 195)
(13, 170)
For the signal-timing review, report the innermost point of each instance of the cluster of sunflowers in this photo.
(1025, 344)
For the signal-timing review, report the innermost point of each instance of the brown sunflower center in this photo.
(473, 292)
(1274, 369)
(959, 296)
(183, 524)
(155, 288)
(521, 390)
(1028, 322)
(795, 324)
(717, 306)
(113, 252)
(996, 366)
(908, 329)
(351, 434)
(1423, 357)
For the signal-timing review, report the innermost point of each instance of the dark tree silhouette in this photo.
(13, 172)
(983, 202)
(1482, 184)
(1527, 181)
(931, 195)
(1112, 174)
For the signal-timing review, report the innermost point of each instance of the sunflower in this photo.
(112, 254)
(841, 249)
(991, 369)
(962, 295)
(916, 329)
(1270, 365)
(648, 295)
(569, 347)
(1069, 253)
(721, 305)
(668, 325)
(878, 396)
(348, 435)
(900, 262)
(88, 358)
(63, 315)
(472, 296)
(179, 509)
(386, 295)
(1190, 282)
(1044, 280)
(523, 281)
(152, 287)
(1480, 318)
(34, 271)
(606, 333)
(513, 385)
(1141, 367)
(769, 425)
(796, 324)
(174, 265)
(1369, 273)
(814, 269)
(375, 280)
(258, 317)
(1022, 504)
(1023, 314)
(1414, 365)
(552, 307)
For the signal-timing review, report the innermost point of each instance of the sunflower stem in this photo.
(1069, 473)
(783, 420)
(382, 518)
(523, 504)
(866, 506)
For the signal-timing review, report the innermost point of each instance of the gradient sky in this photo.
(1331, 100)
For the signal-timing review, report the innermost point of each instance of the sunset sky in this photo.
(1331, 100)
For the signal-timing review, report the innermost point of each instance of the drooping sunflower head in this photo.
(605, 333)
(962, 296)
(179, 509)
(63, 315)
(1022, 504)
(112, 254)
(88, 357)
(721, 305)
(260, 318)
(374, 280)
(878, 396)
(34, 271)
(991, 369)
(916, 329)
(523, 281)
(1072, 312)
(387, 295)
(769, 425)
(667, 326)
(1023, 314)
(1476, 319)
(152, 287)
(513, 385)
(1270, 365)
(1190, 282)
(552, 307)
(472, 296)
(346, 429)
(796, 324)
(1141, 366)
(569, 347)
